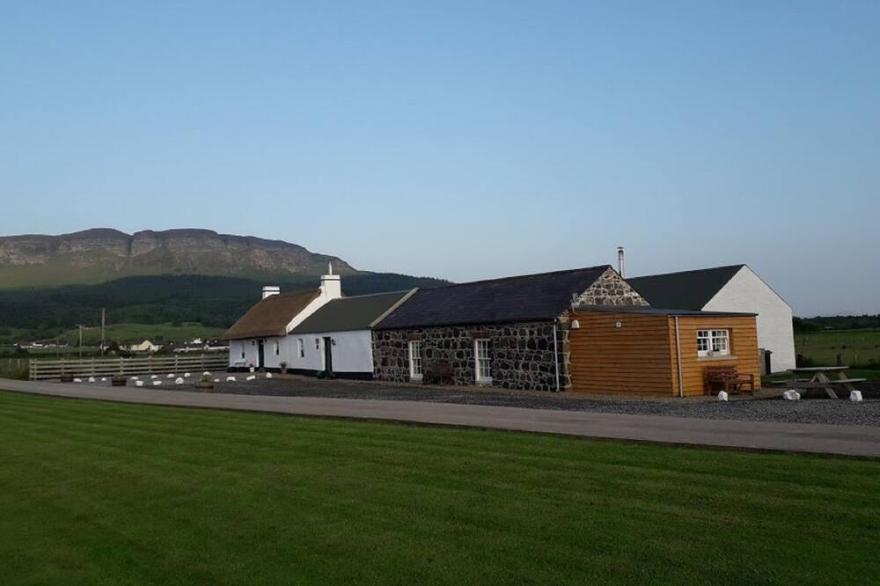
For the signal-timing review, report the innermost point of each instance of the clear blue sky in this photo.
(461, 140)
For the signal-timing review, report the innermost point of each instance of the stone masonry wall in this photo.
(522, 354)
(610, 289)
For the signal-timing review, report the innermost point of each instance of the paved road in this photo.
(794, 437)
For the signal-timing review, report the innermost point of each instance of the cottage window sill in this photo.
(714, 358)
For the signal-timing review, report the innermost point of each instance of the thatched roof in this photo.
(270, 316)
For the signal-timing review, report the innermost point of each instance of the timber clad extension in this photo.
(637, 351)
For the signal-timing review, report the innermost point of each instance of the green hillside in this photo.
(212, 302)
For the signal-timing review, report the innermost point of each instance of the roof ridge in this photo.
(377, 293)
(733, 266)
(510, 278)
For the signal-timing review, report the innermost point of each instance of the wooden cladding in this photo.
(636, 352)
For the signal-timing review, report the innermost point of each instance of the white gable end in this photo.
(746, 292)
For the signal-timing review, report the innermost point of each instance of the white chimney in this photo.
(331, 285)
(620, 260)
(270, 290)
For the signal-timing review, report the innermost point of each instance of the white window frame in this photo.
(301, 348)
(482, 361)
(416, 365)
(717, 342)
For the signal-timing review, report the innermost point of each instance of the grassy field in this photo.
(126, 333)
(856, 347)
(108, 493)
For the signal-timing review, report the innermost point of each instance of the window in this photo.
(277, 348)
(301, 348)
(242, 352)
(415, 360)
(713, 343)
(483, 362)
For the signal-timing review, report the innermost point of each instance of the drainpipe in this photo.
(678, 359)
(556, 353)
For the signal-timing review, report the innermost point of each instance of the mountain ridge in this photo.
(103, 254)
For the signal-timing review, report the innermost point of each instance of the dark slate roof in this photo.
(350, 313)
(641, 310)
(684, 290)
(527, 298)
(271, 315)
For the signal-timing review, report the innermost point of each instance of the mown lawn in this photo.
(95, 492)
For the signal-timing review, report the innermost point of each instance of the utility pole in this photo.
(103, 316)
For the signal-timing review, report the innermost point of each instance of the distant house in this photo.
(733, 288)
(145, 346)
(267, 324)
(510, 332)
(337, 338)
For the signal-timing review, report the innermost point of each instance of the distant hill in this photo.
(208, 300)
(101, 254)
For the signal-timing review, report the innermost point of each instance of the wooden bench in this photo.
(439, 373)
(728, 379)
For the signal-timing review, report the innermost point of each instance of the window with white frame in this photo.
(713, 343)
(415, 360)
(483, 361)
(301, 348)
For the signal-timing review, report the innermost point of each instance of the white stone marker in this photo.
(138, 383)
(722, 396)
(178, 381)
(268, 375)
(791, 395)
(156, 383)
(855, 396)
(251, 377)
(230, 379)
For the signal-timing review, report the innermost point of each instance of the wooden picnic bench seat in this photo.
(824, 384)
(438, 373)
(728, 379)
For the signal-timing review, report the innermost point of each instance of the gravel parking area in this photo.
(768, 408)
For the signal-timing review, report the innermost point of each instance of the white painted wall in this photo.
(353, 351)
(746, 292)
(247, 348)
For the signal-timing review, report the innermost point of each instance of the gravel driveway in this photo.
(812, 410)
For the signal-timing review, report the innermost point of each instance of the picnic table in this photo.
(828, 378)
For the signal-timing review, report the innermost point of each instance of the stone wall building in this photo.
(510, 333)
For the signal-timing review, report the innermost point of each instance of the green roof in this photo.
(351, 313)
